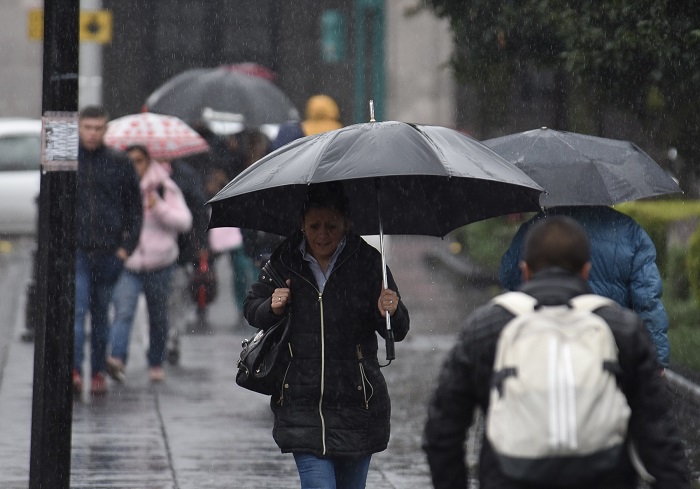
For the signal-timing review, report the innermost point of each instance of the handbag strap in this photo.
(274, 275)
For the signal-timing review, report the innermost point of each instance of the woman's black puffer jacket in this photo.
(334, 399)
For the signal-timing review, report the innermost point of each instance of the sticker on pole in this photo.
(59, 141)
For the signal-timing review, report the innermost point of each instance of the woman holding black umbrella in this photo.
(333, 409)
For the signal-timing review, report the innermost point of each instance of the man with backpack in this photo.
(568, 382)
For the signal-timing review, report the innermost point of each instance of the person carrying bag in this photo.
(265, 357)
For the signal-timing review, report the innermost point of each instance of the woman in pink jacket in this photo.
(150, 266)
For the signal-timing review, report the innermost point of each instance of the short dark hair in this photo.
(328, 195)
(138, 147)
(93, 112)
(556, 241)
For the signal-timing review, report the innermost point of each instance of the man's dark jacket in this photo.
(334, 399)
(464, 386)
(109, 209)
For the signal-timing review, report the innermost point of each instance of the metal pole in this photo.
(52, 405)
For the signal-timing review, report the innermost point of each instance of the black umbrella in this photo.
(226, 98)
(577, 169)
(399, 178)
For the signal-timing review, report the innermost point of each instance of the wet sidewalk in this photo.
(198, 428)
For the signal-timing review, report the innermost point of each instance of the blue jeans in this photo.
(95, 276)
(156, 287)
(332, 473)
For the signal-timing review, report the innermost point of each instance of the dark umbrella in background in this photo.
(399, 179)
(227, 99)
(578, 169)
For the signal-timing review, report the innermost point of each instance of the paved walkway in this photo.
(198, 428)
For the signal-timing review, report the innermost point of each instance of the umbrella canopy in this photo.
(166, 137)
(427, 180)
(227, 99)
(577, 169)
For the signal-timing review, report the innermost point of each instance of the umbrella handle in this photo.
(390, 353)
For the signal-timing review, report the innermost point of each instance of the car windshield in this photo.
(18, 153)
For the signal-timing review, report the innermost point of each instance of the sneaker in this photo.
(77, 382)
(157, 374)
(115, 369)
(98, 386)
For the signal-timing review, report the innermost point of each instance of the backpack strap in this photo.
(519, 303)
(516, 303)
(591, 302)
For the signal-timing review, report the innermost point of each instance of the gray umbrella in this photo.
(399, 179)
(428, 180)
(223, 96)
(577, 169)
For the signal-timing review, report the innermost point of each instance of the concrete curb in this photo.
(682, 383)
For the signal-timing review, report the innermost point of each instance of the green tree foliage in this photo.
(642, 56)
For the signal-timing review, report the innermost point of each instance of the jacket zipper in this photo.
(323, 376)
(323, 347)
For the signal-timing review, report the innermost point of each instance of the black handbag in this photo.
(265, 357)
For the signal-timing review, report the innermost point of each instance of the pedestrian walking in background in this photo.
(193, 247)
(230, 241)
(108, 224)
(333, 409)
(322, 114)
(246, 258)
(623, 259)
(150, 267)
(556, 264)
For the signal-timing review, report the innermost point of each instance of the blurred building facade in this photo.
(352, 50)
(20, 61)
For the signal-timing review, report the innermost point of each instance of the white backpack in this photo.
(556, 413)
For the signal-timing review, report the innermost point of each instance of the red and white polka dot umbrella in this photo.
(165, 136)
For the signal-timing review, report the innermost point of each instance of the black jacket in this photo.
(190, 183)
(109, 211)
(464, 386)
(334, 400)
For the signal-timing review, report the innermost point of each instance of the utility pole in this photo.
(52, 405)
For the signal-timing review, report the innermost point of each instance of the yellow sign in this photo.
(95, 26)
(36, 24)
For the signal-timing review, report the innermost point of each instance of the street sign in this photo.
(95, 26)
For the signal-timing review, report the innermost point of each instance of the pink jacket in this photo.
(162, 223)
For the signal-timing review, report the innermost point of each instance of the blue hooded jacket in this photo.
(623, 260)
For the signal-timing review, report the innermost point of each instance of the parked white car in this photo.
(20, 163)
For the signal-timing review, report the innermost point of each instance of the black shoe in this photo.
(174, 355)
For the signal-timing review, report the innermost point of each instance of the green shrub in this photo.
(486, 241)
(685, 343)
(675, 273)
(655, 216)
